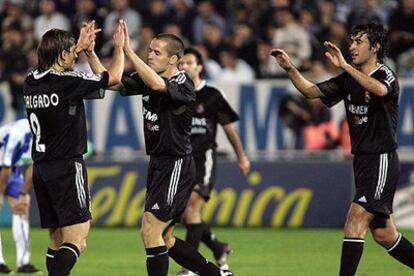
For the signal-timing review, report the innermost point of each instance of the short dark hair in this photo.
(196, 53)
(376, 33)
(175, 44)
(52, 44)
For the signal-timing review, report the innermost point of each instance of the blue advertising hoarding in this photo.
(274, 194)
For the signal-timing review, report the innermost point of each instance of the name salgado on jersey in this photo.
(56, 112)
(212, 108)
(41, 101)
(167, 116)
(367, 114)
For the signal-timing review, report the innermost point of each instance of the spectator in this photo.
(182, 13)
(172, 28)
(294, 112)
(244, 42)
(15, 13)
(87, 11)
(234, 70)
(401, 28)
(321, 131)
(49, 18)
(156, 17)
(15, 61)
(121, 9)
(213, 39)
(293, 38)
(367, 11)
(206, 15)
(212, 69)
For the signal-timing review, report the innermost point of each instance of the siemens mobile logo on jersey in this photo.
(151, 119)
(41, 101)
(358, 109)
(148, 115)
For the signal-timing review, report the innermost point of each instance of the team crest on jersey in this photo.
(200, 108)
(349, 97)
(145, 98)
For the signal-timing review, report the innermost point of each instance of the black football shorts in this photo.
(376, 178)
(169, 185)
(62, 193)
(205, 172)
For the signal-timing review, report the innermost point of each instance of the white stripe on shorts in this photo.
(79, 185)
(382, 175)
(175, 177)
(208, 167)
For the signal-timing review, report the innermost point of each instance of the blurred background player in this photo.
(212, 109)
(16, 161)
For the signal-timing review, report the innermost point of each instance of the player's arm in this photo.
(372, 85)
(306, 87)
(148, 76)
(116, 68)
(243, 162)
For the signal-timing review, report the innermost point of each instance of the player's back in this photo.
(56, 115)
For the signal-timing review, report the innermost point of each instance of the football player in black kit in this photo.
(168, 100)
(370, 92)
(212, 109)
(53, 96)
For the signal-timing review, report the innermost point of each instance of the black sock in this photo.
(211, 241)
(403, 251)
(187, 256)
(351, 254)
(50, 255)
(157, 261)
(65, 259)
(194, 233)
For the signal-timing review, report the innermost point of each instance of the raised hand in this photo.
(334, 54)
(282, 59)
(127, 46)
(119, 35)
(87, 36)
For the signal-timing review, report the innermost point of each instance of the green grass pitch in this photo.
(257, 252)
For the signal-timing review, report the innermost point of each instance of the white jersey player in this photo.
(15, 181)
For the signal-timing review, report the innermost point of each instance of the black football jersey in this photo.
(55, 109)
(167, 116)
(211, 109)
(372, 120)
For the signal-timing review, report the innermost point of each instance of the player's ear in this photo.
(377, 48)
(173, 59)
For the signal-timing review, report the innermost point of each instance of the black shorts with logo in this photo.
(376, 178)
(62, 193)
(205, 172)
(169, 185)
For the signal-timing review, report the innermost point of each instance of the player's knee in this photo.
(384, 237)
(146, 231)
(82, 246)
(169, 240)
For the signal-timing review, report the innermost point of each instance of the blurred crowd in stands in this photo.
(234, 36)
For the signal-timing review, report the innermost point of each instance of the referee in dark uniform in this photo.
(53, 96)
(370, 92)
(168, 100)
(212, 109)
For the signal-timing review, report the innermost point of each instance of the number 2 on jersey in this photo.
(34, 122)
